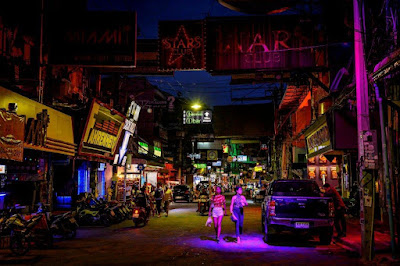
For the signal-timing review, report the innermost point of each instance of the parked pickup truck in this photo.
(297, 205)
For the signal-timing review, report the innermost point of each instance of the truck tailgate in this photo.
(301, 207)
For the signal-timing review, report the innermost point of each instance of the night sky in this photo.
(194, 85)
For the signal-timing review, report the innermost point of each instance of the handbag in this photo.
(209, 221)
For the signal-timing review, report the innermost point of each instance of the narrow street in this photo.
(182, 238)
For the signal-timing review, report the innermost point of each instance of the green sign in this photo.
(200, 165)
(157, 151)
(143, 148)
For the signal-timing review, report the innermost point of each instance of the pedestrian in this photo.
(340, 209)
(237, 204)
(167, 199)
(217, 210)
(158, 195)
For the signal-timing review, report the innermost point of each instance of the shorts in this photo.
(217, 212)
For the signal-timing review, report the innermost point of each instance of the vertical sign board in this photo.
(274, 42)
(96, 39)
(12, 128)
(102, 132)
(181, 45)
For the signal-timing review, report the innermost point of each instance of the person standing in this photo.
(158, 195)
(340, 209)
(237, 204)
(167, 199)
(217, 210)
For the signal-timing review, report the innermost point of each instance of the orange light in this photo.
(136, 211)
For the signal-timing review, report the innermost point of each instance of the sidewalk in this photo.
(352, 241)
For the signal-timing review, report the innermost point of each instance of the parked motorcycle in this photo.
(64, 225)
(93, 215)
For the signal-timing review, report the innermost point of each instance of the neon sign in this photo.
(182, 45)
(195, 118)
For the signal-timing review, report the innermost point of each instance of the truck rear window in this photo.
(295, 189)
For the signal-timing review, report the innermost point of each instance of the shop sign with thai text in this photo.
(102, 132)
(12, 129)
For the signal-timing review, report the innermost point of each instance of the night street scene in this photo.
(201, 132)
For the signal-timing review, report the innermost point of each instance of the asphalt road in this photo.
(183, 239)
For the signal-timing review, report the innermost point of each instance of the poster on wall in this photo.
(334, 172)
(181, 45)
(102, 132)
(311, 172)
(12, 128)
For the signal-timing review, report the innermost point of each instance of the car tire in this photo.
(268, 237)
(325, 235)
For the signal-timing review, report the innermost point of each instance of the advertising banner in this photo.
(96, 39)
(273, 43)
(46, 129)
(181, 45)
(12, 128)
(197, 117)
(318, 141)
(102, 132)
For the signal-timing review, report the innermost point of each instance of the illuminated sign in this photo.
(197, 117)
(3, 169)
(102, 132)
(182, 45)
(194, 156)
(217, 164)
(262, 43)
(143, 148)
(212, 155)
(225, 148)
(200, 165)
(242, 158)
(12, 129)
(95, 39)
(319, 140)
(157, 151)
(258, 168)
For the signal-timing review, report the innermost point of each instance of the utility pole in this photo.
(366, 179)
(40, 86)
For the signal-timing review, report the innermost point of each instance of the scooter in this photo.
(204, 205)
(140, 216)
(64, 225)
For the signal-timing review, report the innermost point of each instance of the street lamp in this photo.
(196, 106)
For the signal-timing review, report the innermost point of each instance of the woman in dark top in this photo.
(237, 204)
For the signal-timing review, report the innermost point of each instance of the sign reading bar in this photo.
(197, 117)
(102, 132)
(318, 141)
(12, 129)
(102, 39)
(274, 42)
(182, 45)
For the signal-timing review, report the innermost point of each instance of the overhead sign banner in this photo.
(95, 39)
(102, 132)
(197, 117)
(181, 45)
(274, 42)
(46, 128)
(12, 128)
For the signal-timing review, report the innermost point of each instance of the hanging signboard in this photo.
(95, 39)
(143, 148)
(181, 45)
(197, 117)
(12, 128)
(102, 132)
(273, 42)
(318, 141)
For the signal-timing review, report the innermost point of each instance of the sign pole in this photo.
(366, 180)
(125, 169)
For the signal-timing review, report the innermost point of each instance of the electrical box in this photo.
(370, 149)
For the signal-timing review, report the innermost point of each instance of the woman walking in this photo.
(217, 210)
(237, 204)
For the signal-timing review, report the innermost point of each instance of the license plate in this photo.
(303, 225)
(72, 220)
(112, 213)
(135, 215)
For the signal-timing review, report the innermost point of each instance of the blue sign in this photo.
(140, 167)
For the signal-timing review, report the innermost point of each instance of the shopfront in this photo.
(331, 142)
(36, 142)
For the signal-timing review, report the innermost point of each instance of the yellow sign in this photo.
(258, 169)
(319, 139)
(60, 136)
(102, 132)
(212, 155)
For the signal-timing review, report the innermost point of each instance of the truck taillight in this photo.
(271, 208)
(331, 209)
